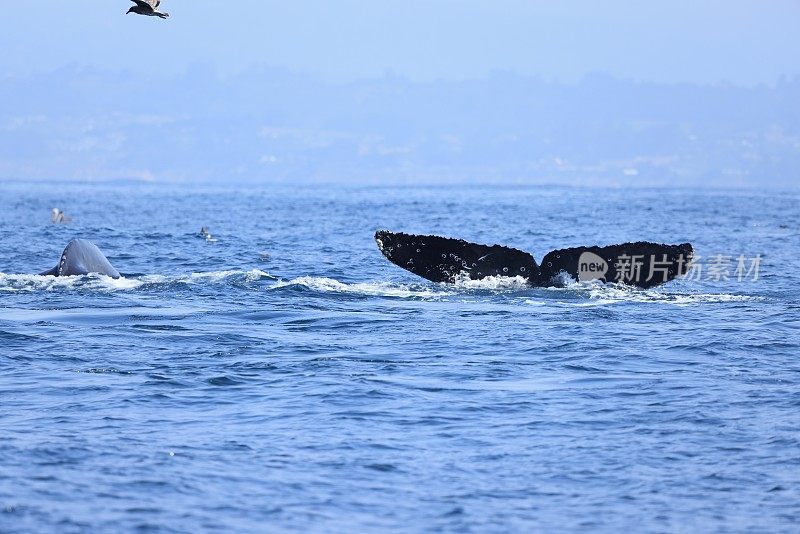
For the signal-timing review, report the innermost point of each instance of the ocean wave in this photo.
(572, 293)
(380, 289)
(36, 282)
(102, 283)
(210, 277)
(596, 293)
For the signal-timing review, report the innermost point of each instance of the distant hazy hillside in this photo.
(273, 125)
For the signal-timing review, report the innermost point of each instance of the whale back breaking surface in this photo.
(441, 259)
(81, 257)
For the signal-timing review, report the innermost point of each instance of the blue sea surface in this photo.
(284, 376)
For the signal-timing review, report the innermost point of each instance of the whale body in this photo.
(443, 259)
(82, 257)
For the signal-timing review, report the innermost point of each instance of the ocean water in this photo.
(285, 376)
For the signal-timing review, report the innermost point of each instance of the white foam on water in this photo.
(99, 282)
(684, 299)
(494, 283)
(36, 282)
(530, 302)
(600, 294)
(210, 277)
(382, 289)
(578, 294)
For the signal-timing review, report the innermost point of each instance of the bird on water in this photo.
(58, 216)
(147, 7)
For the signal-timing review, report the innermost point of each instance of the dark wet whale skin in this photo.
(82, 257)
(444, 259)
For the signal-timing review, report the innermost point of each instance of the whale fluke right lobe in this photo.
(642, 263)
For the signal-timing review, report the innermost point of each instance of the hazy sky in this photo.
(738, 41)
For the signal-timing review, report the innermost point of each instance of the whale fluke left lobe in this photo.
(443, 259)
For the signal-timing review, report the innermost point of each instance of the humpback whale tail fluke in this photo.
(82, 257)
(442, 259)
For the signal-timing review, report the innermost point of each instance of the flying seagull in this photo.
(147, 7)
